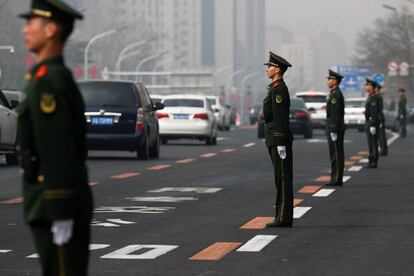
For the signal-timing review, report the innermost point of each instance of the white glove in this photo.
(334, 136)
(373, 130)
(380, 125)
(62, 231)
(281, 150)
(401, 116)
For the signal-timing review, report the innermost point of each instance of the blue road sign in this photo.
(354, 77)
(379, 78)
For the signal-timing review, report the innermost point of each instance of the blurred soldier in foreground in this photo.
(382, 135)
(51, 145)
(402, 112)
(335, 128)
(276, 111)
(372, 119)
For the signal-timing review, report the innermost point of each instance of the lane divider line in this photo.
(299, 212)
(209, 155)
(93, 184)
(364, 161)
(346, 178)
(5, 251)
(216, 251)
(356, 157)
(257, 243)
(324, 193)
(363, 152)
(186, 161)
(13, 201)
(355, 169)
(158, 167)
(309, 189)
(228, 150)
(324, 178)
(249, 145)
(257, 223)
(297, 201)
(125, 175)
(350, 163)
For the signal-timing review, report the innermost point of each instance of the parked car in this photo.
(121, 116)
(391, 116)
(188, 117)
(316, 104)
(355, 113)
(299, 120)
(8, 129)
(221, 112)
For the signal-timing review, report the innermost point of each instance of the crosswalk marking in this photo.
(299, 212)
(249, 145)
(324, 193)
(153, 252)
(355, 169)
(257, 243)
(161, 199)
(198, 190)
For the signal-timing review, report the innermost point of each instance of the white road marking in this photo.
(355, 169)
(97, 246)
(33, 256)
(161, 199)
(249, 145)
(257, 243)
(345, 178)
(133, 209)
(199, 190)
(4, 251)
(223, 138)
(299, 212)
(322, 141)
(120, 221)
(126, 252)
(323, 193)
(104, 224)
(364, 161)
(394, 137)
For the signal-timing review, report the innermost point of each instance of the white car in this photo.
(355, 113)
(8, 129)
(315, 102)
(222, 113)
(188, 117)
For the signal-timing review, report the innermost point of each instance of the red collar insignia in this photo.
(276, 84)
(41, 72)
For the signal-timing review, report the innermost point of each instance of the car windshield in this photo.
(296, 103)
(354, 104)
(183, 103)
(108, 94)
(212, 101)
(313, 98)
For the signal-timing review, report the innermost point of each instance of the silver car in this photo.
(8, 129)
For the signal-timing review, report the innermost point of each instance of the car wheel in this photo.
(11, 159)
(210, 140)
(143, 148)
(155, 149)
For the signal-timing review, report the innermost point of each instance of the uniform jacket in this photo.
(372, 111)
(402, 110)
(335, 111)
(276, 111)
(51, 143)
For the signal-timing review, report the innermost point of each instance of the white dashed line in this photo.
(161, 199)
(364, 161)
(324, 193)
(345, 178)
(249, 145)
(198, 190)
(257, 243)
(120, 221)
(355, 169)
(394, 137)
(299, 212)
(4, 251)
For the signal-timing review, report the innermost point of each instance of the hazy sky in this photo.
(346, 17)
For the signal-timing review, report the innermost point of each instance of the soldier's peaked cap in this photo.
(55, 10)
(276, 60)
(371, 82)
(335, 75)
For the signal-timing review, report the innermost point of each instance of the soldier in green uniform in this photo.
(335, 128)
(372, 121)
(402, 112)
(382, 136)
(51, 145)
(276, 111)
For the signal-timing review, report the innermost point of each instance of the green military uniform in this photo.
(402, 114)
(335, 112)
(51, 144)
(276, 112)
(372, 119)
(382, 135)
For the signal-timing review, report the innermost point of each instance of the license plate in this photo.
(102, 121)
(181, 116)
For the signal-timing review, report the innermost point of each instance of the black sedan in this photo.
(300, 120)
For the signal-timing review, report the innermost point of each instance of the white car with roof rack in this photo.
(315, 102)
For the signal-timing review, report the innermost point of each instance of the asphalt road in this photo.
(200, 210)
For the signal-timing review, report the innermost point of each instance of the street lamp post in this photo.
(145, 60)
(125, 50)
(242, 94)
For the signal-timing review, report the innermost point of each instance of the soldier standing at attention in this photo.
(51, 145)
(402, 112)
(276, 111)
(335, 128)
(382, 136)
(372, 119)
